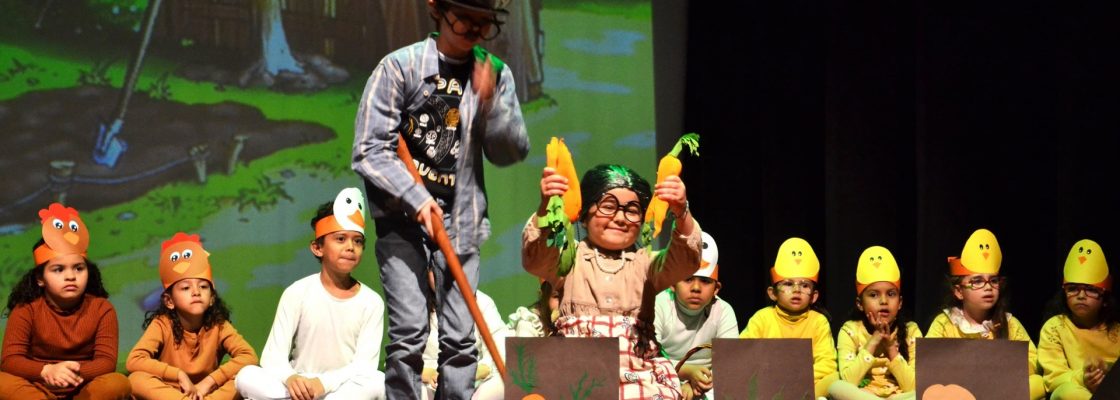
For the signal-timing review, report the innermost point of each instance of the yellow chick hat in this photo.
(709, 257)
(1086, 264)
(877, 264)
(980, 255)
(183, 257)
(796, 259)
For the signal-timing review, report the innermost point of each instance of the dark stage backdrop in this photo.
(907, 125)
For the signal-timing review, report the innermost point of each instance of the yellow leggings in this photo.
(1070, 391)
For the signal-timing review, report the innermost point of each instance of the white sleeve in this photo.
(431, 348)
(497, 327)
(368, 352)
(524, 323)
(276, 355)
(728, 324)
(663, 314)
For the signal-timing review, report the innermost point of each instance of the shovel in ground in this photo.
(109, 147)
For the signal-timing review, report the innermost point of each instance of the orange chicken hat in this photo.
(64, 233)
(183, 257)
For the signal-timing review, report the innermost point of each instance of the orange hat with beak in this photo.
(349, 214)
(64, 233)
(709, 258)
(183, 257)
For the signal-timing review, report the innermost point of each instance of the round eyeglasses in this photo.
(1075, 289)
(802, 286)
(485, 28)
(978, 283)
(609, 205)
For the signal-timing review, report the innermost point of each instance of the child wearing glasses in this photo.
(1081, 341)
(795, 314)
(974, 307)
(453, 103)
(611, 284)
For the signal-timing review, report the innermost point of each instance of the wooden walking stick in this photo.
(444, 242)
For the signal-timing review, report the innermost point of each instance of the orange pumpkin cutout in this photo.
(947, 392)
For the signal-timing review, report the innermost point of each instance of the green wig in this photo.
(605, 177)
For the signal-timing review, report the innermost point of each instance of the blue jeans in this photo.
(405, 254)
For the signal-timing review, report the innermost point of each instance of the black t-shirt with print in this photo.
(433, 131)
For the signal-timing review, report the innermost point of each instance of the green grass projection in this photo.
(603, 94)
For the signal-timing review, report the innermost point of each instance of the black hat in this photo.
(486, 6)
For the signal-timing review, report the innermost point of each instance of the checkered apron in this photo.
(639, 378)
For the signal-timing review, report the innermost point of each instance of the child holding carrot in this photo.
(611, 283)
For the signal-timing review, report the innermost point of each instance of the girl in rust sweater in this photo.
(61, 338)
(178, 356)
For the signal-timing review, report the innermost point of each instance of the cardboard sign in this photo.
(960, 369)
(762, 368)
(561, 368)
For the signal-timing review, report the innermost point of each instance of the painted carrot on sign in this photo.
(669, 165)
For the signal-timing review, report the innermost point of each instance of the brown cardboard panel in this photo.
(762, 369)
(561, 368)
(983, 369)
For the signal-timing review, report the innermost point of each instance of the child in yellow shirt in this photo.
(795, 314)
(1081, 342)
(876, 346)
(975, 309)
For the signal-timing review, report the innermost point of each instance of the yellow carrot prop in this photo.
(669, 165)
(559, 158)
(562, 211)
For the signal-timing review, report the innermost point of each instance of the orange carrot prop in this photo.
(441, 238)
(559, 158)
(562, 211)
(669, 165)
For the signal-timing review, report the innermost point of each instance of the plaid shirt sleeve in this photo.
(374, 154)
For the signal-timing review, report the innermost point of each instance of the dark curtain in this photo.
(906, 125)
